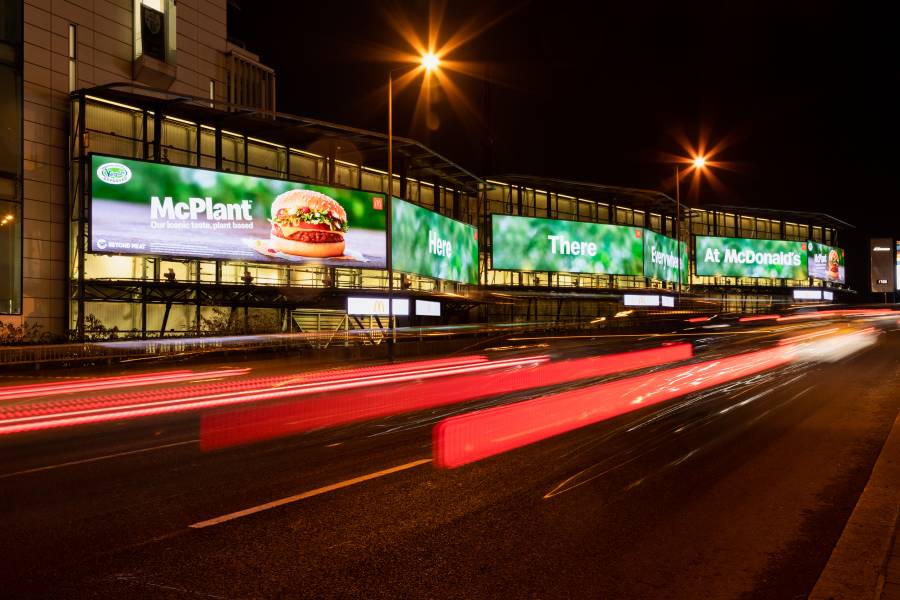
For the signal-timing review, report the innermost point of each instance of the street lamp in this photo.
(699, 164)
(429, 62)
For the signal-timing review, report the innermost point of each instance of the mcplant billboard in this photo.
(662, 256)
(156, 209)
(825, 262)
(742, 257)
(533, 244)
(428, 244)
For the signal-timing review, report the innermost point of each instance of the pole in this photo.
(388, 206)
(678, 224)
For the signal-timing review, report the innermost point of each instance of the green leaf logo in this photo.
(114, 173)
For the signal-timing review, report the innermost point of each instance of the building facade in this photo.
(51, 48)
(156, 81)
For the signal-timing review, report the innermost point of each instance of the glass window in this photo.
(154, 29)
(10, 121)
(10, 258)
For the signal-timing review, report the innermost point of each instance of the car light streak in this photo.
(758, 318)
(467, 438)
(219, 430)
(464, 439)
(98, 384)
(49, 415)
(844, 312)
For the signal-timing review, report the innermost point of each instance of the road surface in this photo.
(739, 490)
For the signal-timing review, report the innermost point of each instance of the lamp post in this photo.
(678, 224)
(430, 61)
(699, 163)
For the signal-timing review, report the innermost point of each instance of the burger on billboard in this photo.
(155, 209)
(825, 262)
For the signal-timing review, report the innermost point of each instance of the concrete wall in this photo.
(105, 52)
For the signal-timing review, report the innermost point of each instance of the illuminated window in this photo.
(10, 158)
(73, 63)
(10, 258)
(154, 31)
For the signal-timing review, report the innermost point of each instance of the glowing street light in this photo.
(429, 62)
(699, 162)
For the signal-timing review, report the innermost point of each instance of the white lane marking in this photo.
(798, 394)
(97, 458)
(309, 494)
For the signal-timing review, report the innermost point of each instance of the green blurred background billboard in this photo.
(662, 255)
(535, 244)
(426, 243)
(744, 257)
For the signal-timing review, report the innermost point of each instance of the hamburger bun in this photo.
(293, 199)
(307, 239)
(311, 249)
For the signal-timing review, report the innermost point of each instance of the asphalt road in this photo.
(740, 491)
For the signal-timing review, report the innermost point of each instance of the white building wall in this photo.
(104, 55)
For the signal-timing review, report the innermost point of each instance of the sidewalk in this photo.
(891, 589)
(865, 563)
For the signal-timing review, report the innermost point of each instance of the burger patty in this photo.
(316, 237)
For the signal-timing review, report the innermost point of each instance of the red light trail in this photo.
(464, 439)
(219, 430)
(34, 417)
(98, 384)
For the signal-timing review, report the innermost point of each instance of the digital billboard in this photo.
(426, 243)
(157, 209)
(897, 266)
(882, 264)
(535, 244)
(744, 257)
(664, 257)
(825, 262)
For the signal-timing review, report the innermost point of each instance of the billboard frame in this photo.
(88, 234)
(478, 238)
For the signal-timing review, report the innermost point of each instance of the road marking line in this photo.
(97, 458)
(309, 494)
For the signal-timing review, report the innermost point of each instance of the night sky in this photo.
(799, 94)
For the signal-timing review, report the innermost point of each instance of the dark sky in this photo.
(801, 92)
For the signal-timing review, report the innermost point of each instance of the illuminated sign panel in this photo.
(640, 300)
(807, 294)
(825, 262)
(743, 257)
(897, 265)
(883, 264)
(664, 258)
(156, 209)
(426, 243)
(357, 305)
(534, 244)
(427, 308)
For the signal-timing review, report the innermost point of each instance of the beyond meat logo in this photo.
(114, 173)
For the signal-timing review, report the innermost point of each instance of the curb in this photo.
(857, 567)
